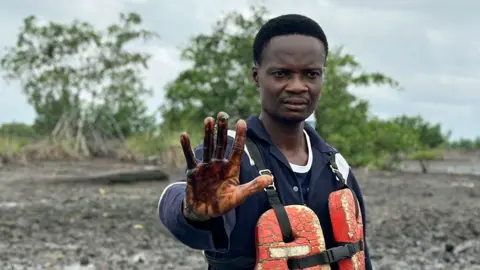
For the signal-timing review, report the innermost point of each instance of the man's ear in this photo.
(255, 75)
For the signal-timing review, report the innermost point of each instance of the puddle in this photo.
(78, 266)
(12, 204)
(467, 185)
(9, 204)
(139, 257)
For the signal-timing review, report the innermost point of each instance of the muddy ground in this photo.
(414, 221)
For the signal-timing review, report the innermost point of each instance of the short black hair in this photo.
(289, 24)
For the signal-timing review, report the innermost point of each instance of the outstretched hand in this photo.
(213, 186)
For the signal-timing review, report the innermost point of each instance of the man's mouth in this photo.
(296, 104)
(295, 101)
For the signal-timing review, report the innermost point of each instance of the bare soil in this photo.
(414, 221)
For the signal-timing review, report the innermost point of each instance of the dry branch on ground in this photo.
(112, 178)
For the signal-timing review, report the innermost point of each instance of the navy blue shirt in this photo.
(233, 235)
(304, 180)
(302, 172)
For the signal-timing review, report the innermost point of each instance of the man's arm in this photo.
(212, 234)
(356, 188)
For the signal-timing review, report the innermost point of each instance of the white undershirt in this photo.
(304, 168)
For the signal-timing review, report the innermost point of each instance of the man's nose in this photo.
(296, 83)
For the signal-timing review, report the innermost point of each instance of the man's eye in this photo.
(314, 74)
(279, 74)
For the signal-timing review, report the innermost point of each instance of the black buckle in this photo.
(339, 253)
(334, 168)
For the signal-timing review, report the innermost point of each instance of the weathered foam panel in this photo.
(273, 253)
(346, 227)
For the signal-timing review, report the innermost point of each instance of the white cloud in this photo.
(436, 36)
(164, 67)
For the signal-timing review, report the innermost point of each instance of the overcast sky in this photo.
(429, 46)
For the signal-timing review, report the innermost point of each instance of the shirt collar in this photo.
(256, 129)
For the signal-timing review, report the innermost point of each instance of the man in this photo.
(217, 208)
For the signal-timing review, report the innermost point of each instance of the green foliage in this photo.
(424, 156)
(431, 154)
(89, 73)
(342, 118)
(384, 141)
(465, 144)
(14, 136)
(429, 135)
(12, 145)
(220, 76)
(219, 79)
(16, 129)
(74, 67)
(151, 144)
(164, 146)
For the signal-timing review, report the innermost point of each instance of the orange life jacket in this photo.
(291, 237)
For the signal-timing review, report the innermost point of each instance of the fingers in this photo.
(239, 143)
(222, 128)
(252, 187)
(209, 125)
(188, 151)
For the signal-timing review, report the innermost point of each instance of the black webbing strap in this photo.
(346, 250)
(343, 181)
(237, 263)
(335, 169)
(273, 198)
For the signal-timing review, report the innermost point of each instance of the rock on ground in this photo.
(414, 222)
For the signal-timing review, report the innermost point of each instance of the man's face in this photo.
(290, 77)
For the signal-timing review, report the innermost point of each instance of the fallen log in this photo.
(130, 177)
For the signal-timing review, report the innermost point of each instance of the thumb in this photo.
(252, 187)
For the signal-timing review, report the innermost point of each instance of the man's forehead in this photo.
(294, 49)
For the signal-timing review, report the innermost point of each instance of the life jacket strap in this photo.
(272, 195)
(336, 171)
(346, 250)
